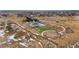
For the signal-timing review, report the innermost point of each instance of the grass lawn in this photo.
(41, 29)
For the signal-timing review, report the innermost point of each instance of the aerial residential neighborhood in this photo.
(39, 29)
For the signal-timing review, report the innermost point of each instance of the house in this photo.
(34, 22)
